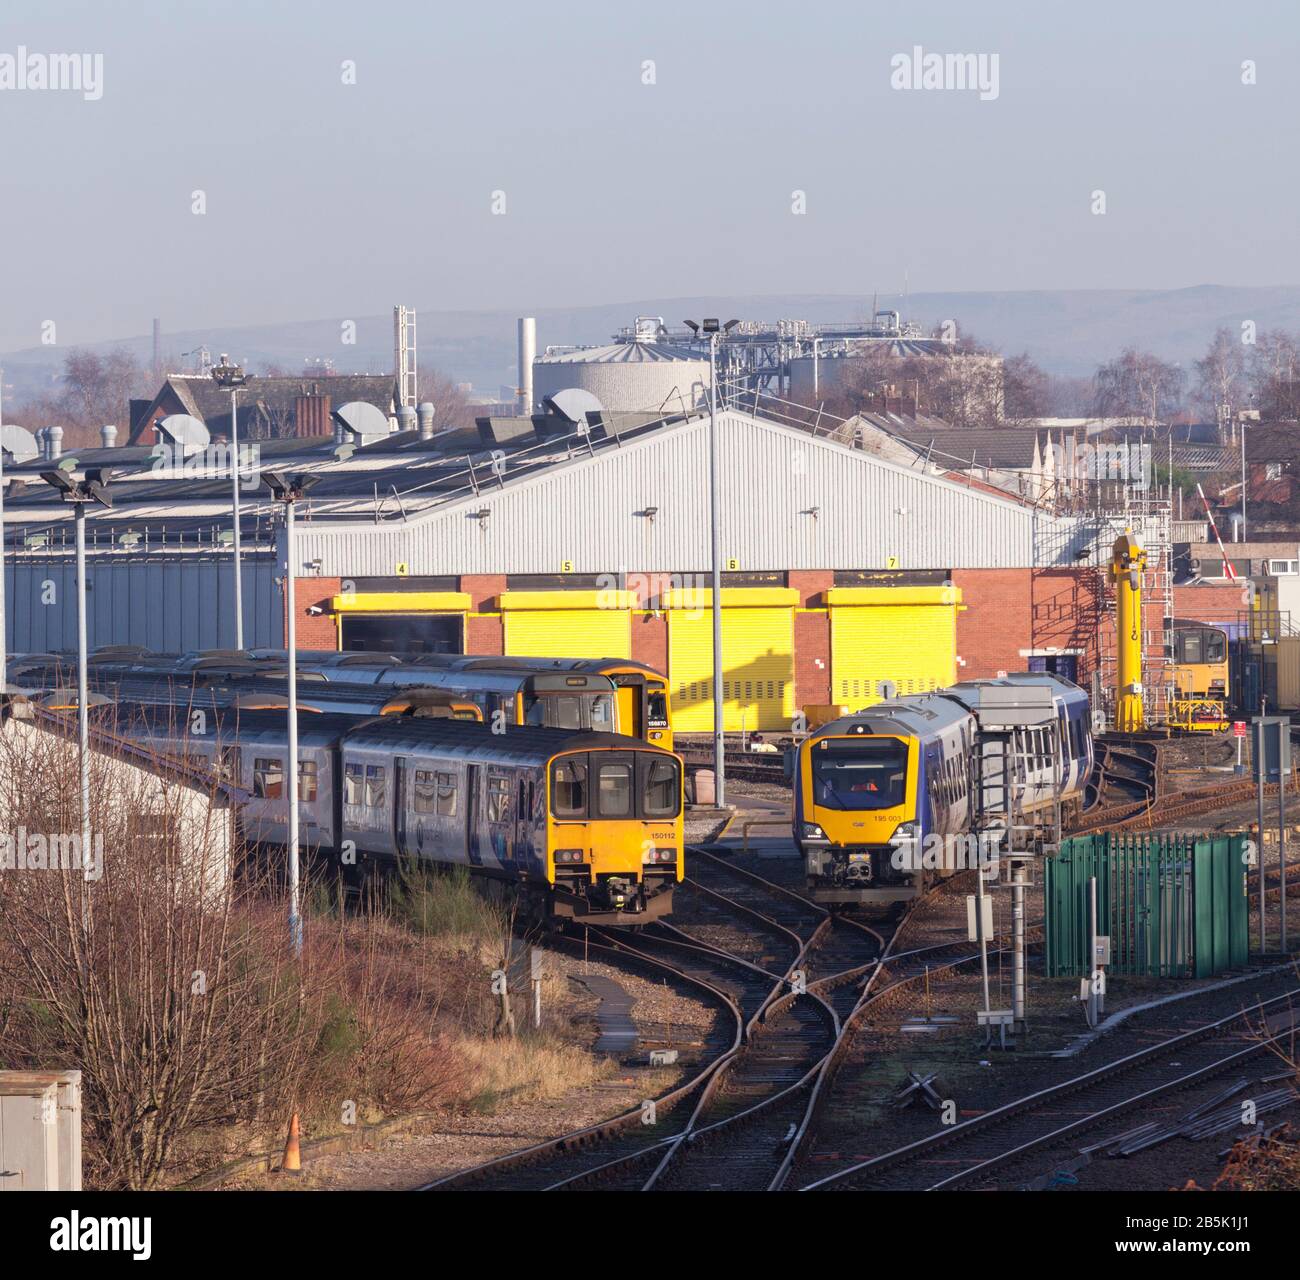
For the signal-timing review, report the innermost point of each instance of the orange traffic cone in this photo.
(292, 1162)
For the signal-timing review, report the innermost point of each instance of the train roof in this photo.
(478, 741)
(916, 716)
(231, 723)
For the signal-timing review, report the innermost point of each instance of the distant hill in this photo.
(1068, 331)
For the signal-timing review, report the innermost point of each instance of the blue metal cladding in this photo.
(170, 606)
(1173, 906)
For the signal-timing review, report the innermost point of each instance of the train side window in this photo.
(602, 713)
(306, 781)
(353, 784)
(614, 791)
(227, 765)
(423, 792)
(376, 786)
(447, 795)
(498, 798)
(569, 789)
(660, 796)
(268, 777)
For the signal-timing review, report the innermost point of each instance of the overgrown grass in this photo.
(526, 1068)
(444, 904)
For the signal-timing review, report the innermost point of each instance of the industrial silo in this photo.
(643, 374)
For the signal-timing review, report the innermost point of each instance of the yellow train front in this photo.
(590, 823)
(1198, 677)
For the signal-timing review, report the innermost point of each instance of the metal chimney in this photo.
(54, 443)
(527, 354)
(405, 417)
(108, 434)
(425, 412)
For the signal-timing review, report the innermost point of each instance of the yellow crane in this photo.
(1128, 561)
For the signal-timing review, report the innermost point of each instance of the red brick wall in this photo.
(1210, 604)
(316, 631)
(650, 640)
(484, 635)
(812, 637)
(995, 621)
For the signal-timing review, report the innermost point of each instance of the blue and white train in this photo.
(872, 789)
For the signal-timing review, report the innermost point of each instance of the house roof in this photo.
(271, 400)
(1007, 448)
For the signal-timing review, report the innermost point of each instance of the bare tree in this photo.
(1138, 386)
(1274, 376)
(1221, 379)
(449, 398)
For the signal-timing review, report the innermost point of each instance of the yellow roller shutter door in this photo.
(569, 633)
(905, 635)
(758, 667)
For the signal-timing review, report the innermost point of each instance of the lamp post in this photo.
(291, 490)
(232, 377)
(94, 488)
(712, 328)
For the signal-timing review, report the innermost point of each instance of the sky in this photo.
(519, 156)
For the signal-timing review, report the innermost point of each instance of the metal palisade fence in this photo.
(1173, 905)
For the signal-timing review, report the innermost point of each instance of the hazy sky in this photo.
(333, 199)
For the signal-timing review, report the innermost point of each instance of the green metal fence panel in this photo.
(1172, 905)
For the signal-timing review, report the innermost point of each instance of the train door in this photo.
(631, 720)
(473, 801)
(400, 791)
(522, 836)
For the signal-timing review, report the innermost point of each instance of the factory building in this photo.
(842, 569)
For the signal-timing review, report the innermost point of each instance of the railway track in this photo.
(973, 1150)
(745, 1101)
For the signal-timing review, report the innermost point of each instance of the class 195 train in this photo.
(589, 824)
(872, 790)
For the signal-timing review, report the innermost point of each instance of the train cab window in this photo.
(614, 791)
(376, 786)
(659, 797)
(602, 713)
(850, 773)
(306, 781)
(1215, 643)
(268, 777)
(354, 790)
(656, 707)
(569, 789)
(1191, 646)
(498, 798)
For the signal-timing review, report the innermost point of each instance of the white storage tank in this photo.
(627, 377)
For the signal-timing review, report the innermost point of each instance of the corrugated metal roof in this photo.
(623, 353)
(790, 501)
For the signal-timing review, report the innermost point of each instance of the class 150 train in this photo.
(872, 790)
(589, 824)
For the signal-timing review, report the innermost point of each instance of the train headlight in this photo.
(660, 855)
(906, 831)
(811, 831)
(568, 855)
